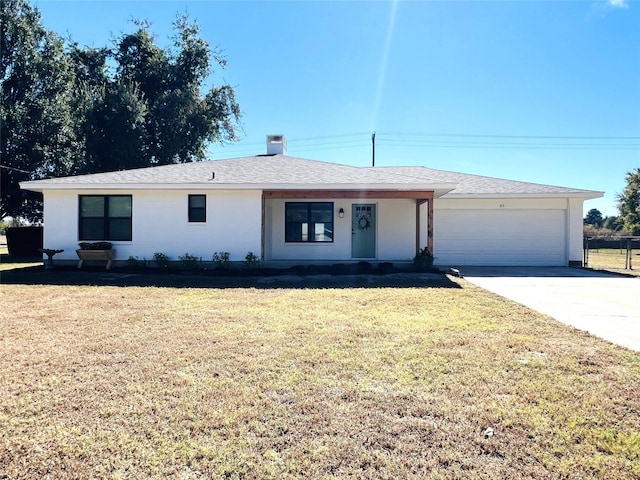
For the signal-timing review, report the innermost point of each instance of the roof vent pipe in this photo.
(276, 145)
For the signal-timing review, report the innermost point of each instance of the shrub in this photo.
(161, 260)
(251, 260)
(385, 267)
(135, 262)
(423, 261)
(189, 262)
(339, 269)
(221, 259)
(363, 267)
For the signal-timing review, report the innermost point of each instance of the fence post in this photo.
(585, 251)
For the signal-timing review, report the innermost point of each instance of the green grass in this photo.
(108, 382)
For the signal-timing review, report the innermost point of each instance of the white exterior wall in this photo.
(397, 229)
(574, 227)
(61, 223)
(395, 232)
(507, 231)
(160, 224)
(542, 231)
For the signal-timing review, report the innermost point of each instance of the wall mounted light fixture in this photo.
(341, 213)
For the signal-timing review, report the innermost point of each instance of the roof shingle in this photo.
(284, 171)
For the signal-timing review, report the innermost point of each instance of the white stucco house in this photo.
(290, 210)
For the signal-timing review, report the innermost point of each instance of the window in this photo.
(105, 217)
(197, 208)
(308, 222)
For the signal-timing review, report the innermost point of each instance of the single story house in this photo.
(289, 210)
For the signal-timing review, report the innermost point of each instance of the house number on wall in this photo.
(501, 205)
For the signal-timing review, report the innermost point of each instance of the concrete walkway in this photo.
(603, 304)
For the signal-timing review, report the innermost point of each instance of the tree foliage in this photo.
(113, 129)
(154, 108)
(629, 203)
(69, 110)
(612, 223)
(36, 119)
(594, 217)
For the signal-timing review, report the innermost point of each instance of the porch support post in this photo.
(262, 233)
(419, 203)
(430, 226)
(418, 222)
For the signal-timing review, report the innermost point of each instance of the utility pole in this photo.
(373, 149)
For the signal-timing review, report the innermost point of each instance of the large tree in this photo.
(594, 217)
(85, 110)
(36, 119)
(629, 203)
(154, 108)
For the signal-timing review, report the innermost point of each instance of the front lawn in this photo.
(11, 263)
(112, 382)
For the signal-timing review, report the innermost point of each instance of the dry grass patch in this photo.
(107, 382)
(13, 264)
(5, 266)
(613, 259)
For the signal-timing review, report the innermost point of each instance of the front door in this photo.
(363, 230)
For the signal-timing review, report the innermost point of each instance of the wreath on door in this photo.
(364, 220)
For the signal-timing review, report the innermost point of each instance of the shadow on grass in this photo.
(6, 258)
(125, 278)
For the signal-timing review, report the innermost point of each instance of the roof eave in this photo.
(440, 188)
(586, 195)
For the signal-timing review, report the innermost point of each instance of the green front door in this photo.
(363, 230)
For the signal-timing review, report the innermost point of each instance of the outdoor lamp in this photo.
(341, 213)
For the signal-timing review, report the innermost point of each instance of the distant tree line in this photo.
(67, 109)
(595, 219)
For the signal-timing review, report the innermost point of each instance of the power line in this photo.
(465, 144)
(14, 169)
(514, 147)
(449, 140)
(542, 137)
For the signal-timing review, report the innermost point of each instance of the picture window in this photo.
(309, 222)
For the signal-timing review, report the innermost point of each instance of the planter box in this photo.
(99, 255)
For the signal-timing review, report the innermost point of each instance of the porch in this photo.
(345, 226)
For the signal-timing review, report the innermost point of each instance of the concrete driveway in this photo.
(603, 304)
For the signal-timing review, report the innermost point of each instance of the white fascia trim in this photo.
(587, 195)
(38, 187)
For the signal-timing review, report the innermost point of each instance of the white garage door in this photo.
(500, 237)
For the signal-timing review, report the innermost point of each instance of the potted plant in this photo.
(423, 261)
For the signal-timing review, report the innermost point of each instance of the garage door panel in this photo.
(500, 237)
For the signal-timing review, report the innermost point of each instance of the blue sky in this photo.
(540, 91)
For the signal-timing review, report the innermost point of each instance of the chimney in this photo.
(276, 145)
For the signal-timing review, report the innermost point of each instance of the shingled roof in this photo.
(285, 172)
(256, 172)
(477, 185)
